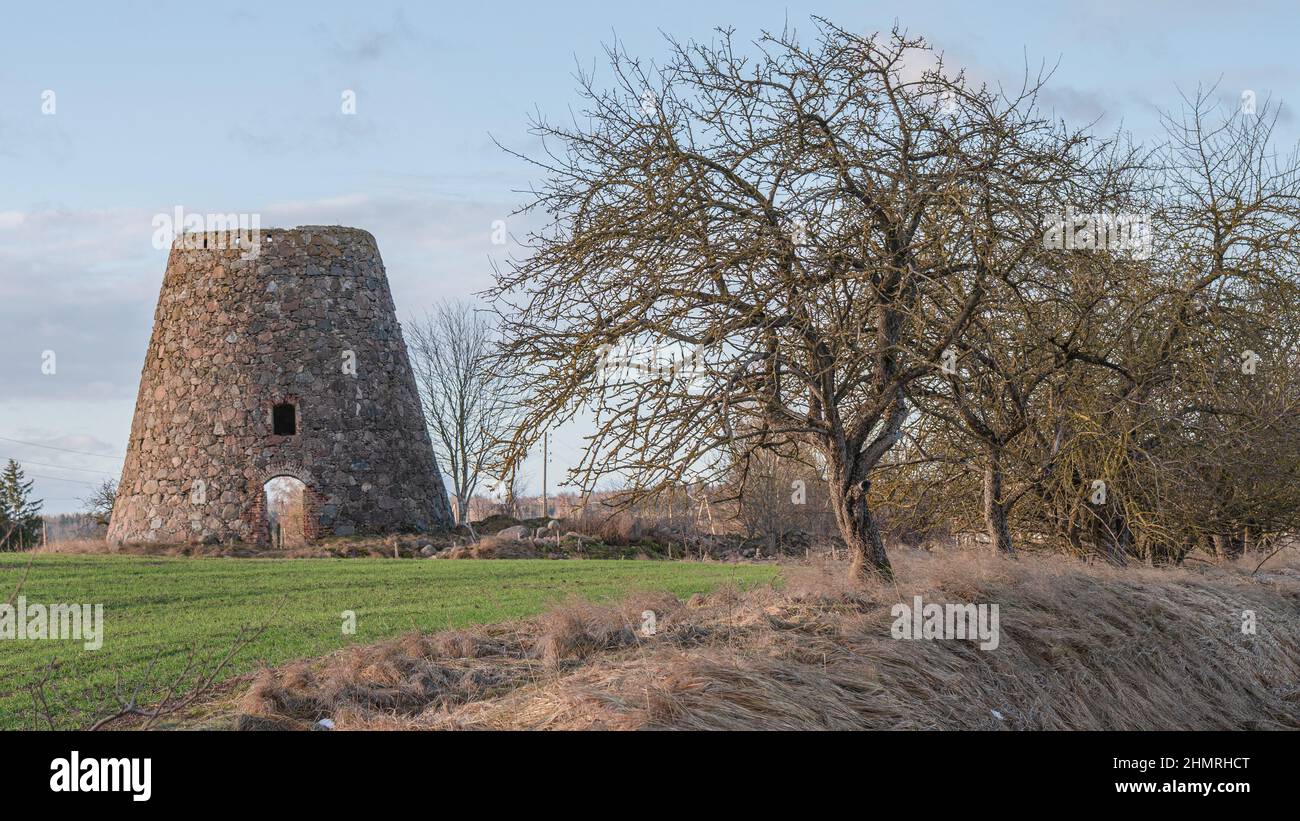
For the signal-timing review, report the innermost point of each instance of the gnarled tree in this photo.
(815, 226)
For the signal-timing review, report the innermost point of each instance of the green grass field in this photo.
(166, 607)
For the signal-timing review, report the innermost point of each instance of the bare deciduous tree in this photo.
(99, 504)
(468, 406)
(1176, 420)
(816, 225)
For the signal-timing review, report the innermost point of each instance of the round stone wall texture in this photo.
(277, 357)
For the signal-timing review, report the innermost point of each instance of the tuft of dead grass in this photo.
(1082, 647)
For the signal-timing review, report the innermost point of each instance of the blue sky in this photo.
(233, 107)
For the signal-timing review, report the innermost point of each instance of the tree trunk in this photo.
(1075, 538)
(995, 509)
(1113, 540)
(1226, 548)
(860, 533)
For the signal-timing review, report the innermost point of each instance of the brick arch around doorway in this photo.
(259, 524)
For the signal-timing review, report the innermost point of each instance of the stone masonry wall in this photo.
(309, 321)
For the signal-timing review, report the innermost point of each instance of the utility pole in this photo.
(545, 455)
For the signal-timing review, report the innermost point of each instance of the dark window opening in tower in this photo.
(284, 420)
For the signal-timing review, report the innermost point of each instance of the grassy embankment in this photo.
(167, 608)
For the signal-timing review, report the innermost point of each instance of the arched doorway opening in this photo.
(286, 512)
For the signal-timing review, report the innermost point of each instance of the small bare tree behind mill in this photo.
(466, 404)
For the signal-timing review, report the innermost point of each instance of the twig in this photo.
(202, 685)
(1269, 556)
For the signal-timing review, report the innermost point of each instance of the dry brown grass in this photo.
(78, 546)
(1082, 647)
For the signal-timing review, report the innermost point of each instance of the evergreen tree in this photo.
(6, 524)
(20, 517)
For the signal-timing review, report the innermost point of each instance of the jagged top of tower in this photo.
(229, 232)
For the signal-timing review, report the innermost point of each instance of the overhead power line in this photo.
(60, 467)
(65, 450)
(61, 479)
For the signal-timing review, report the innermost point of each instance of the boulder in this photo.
(518, 533)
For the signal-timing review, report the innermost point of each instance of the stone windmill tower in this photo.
(280, 358)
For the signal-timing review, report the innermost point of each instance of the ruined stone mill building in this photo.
(283, 358)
